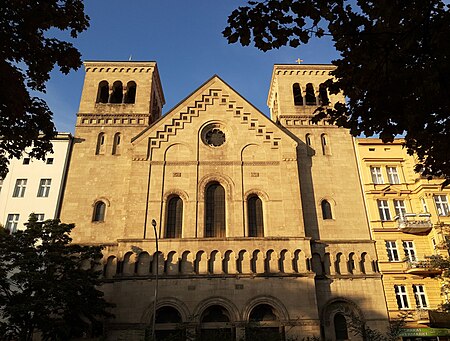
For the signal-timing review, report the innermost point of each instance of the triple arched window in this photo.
(174, 222)
(255, 216)
(215, 211)
(117, 93)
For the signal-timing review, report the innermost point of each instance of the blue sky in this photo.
(184, 38)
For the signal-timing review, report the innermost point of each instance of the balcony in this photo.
(421, 267)
(414, 223)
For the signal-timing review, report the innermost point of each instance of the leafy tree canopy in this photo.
(393, 68)
(28, 52)
(47, 284)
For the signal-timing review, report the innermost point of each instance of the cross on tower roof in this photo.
(299, 61)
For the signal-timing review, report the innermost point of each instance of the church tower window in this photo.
(326, 210)
(297, 92)
(215, 211)
(130, 96)
(116, 144)
(117, 93)
(100, 144)
(174, 217)
(310, 97)
(99, 211)
(255, 217)
(103, 92)
(323, 95)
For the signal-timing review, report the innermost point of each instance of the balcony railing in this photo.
(423, 267)
(414, 223)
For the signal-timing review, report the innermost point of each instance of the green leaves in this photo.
(43, 286)
(27, 57)
(394, 67)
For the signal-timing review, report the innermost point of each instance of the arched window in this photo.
(325, 144)
(215, 324)
(310, 96)
(103, 92)
(308, 141)
(340, 327)
(297, 92)
(99, 211)
(100, 149)
(215, 211)
(117, 93)
(264, 324)
(116, 144)
(326, 210)
(255, 217)
(174, 217)
(130, 96)
(323, 95)
(168, 321)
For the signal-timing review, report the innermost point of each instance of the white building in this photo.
(34, 186)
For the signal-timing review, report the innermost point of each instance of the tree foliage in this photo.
(393, 68)
(443, 263)
(45, 285)
(28, 52)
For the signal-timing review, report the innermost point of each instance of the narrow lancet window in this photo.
(215, 211)
(310, 97)
(255, 217)
(297, 92)
(174, 217)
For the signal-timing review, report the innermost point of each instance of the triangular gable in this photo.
(214, 89)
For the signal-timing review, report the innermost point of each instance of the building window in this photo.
(100, 149)
(402, 297)
(174, 217)
(117, 93)
(310, 97)
(297, 92)
(325, 144)
(419, 295)
(215, 211)
(26, 161)
(410, 253)
(255, 217)
(400, 208)
(130, 96)
(103, 92)
(1, 185)
(392, 252)
(326, 210)
(323, 95)
(377, 177)
(99, 211)
(44, 188)
(434, 245)
(116, 144)
(383, 209)
(392, 175)
(19, 189)
(441, 205)
(11, 222)
(40, 217)
(424, 205)
(340, 327)
(49, 161)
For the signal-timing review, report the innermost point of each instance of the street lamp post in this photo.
(156, 280)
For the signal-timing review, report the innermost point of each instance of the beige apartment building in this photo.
(34, 186)
(409, 218)
(261, 221)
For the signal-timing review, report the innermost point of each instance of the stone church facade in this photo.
(261, 221)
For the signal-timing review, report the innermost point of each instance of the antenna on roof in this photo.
(129, 59)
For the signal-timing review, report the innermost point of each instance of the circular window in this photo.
(214, 135)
